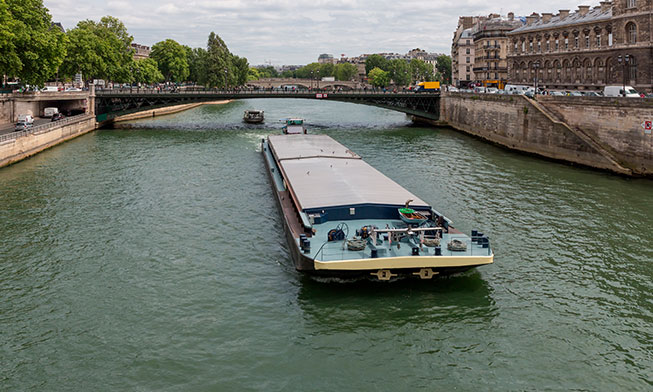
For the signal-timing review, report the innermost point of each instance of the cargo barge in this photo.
(344, 218)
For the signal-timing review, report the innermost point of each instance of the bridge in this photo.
(110, 104)
(305, 84)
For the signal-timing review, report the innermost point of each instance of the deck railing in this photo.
(38, 129)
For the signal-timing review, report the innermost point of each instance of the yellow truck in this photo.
(428, 87)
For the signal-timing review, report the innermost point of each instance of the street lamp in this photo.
(625, 61)
(225, 79)
(536, 67)
(312, 80)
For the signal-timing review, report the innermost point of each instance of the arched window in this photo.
(631, 4)
(631, 33)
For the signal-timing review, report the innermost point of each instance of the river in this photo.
(152, 258)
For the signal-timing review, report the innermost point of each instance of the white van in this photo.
(50, 89)
(618, 91)
(49, 112)
(516, 89)
(27, 118)
(479, 90)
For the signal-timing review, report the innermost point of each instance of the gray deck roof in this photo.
(304, 146)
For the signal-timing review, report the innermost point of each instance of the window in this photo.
(566, 43)
(467, 68)
(467, 77)
(515, 47)
(467, 50)
(576, 42)
(467, 43)
(610, 39)
(548, 46)
(557, 44)
(539, 46)
(598, 40)
(587, 41)
(632, 69)
(467, 59)
(631, 4)
(631, 33)
(523, 46)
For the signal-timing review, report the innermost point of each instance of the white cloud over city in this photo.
(296, 32)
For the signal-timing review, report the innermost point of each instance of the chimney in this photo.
(511, 16)
(536, 16)
(546, 17)
(530, 20)
(583, 9)
(605, 6)
(564, 14)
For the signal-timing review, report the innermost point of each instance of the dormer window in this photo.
(631, 3)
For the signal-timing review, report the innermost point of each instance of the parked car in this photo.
(49, 112)
(491, 90)
(23, 126)
(57, 117)
(557, 93)
(73, 89)
(591, 94)
(50, 89)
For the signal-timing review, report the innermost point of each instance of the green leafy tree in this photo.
(288, 74)
(376, 61)
(219, 69)
(268, 72)
(241, 69)
(30, 49)
(326, 70)
(345, 71)
(444, 68)
(146, 71)
(400, 72)
(309, 71)
(421, 71)
(379, 77)
(253, 74)
(197, 60)
(99, 50)
(172, 60)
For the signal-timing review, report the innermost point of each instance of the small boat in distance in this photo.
(294, 126)
(253, 116)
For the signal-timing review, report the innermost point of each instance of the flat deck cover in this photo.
(305, 146)
(319, 181)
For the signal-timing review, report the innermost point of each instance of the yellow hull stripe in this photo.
(404, 262)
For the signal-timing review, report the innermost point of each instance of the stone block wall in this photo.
(523, 124)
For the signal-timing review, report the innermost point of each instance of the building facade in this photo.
(462, 52)
(491, 43)
(610, 44)
(141, 51)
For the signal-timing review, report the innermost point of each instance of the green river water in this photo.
(152, 258)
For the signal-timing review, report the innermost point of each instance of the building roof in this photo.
(593, 15)
(320, 180)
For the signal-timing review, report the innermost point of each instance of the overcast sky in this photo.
(297, 31)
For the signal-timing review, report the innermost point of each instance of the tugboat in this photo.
(343, 218)
(294, 126)
(253, 116)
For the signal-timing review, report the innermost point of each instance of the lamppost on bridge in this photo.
(625, 61)
(312, 80)
(225, 79)
(536, 67)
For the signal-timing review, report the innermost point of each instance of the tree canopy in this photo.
(146, 71)
(379, 77)
(345, 71)
(172, 60)
(31, 49)
(100, 50)
(444, 68)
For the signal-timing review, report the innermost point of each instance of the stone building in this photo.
(491, 48)
(326, 58)
(462, 52)
(582, 50)
(141, 51)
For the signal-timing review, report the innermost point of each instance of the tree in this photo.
(444, 67)
(421, 71)
(379, 77)
(241, 69)
(146, 71)
(326, 69)
(400, 72)
(219, 69)
(172, 60)
(30, 49)
(99, 50)
(268, 72)
(345, 71)
(309, 71)
(253, 74)
(197, 59)
(375, 61)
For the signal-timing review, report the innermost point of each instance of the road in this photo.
(8, 128)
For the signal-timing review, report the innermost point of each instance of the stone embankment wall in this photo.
(14, 150)
(544, 127)
(6, 110)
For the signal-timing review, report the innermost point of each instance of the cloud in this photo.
(296, 31)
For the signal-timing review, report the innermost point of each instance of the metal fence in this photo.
(39, 129)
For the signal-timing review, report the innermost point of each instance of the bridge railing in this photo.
(244, 92)
(44, 127)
